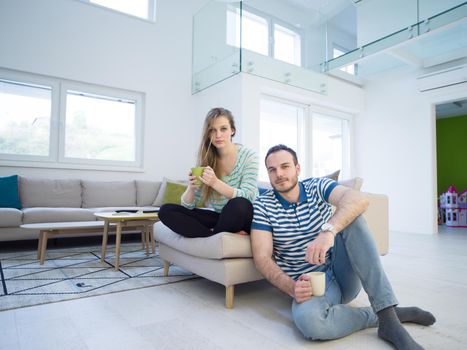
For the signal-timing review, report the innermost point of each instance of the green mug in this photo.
(197, 171)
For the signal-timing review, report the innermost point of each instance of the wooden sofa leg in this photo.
(166, 268)
(229, 297)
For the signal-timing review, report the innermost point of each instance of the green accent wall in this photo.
(451, 143)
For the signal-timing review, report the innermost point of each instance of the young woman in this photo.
(229, 184)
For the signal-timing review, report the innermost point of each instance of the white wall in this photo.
(336, 36)
(395, 143)
(392, 139)
(73, 40)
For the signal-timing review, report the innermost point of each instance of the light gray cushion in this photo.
(219, 246)
(10, 217)
(334, 175)
(355, 183)
(39, 192)
(36, 215)
(146, 192)
(108, 193)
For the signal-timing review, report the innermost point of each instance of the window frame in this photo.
(305, 132)
(345, 171)
(271, 22)
(287, 26)
(56, 157)
(32, 80)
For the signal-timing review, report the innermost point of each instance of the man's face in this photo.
(283, 173)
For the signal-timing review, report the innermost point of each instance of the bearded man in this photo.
(295, 231)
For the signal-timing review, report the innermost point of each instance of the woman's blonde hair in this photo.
(207, 153)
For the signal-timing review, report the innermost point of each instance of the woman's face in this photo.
(220, 132)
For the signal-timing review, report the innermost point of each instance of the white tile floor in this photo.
(428, 271)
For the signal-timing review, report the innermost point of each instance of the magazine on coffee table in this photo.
(135, 211)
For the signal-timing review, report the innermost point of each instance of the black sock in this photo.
(415, 315)
(391, 330)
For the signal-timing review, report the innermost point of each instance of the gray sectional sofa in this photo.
(62, 200)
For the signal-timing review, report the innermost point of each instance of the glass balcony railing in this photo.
(391, 34)
(299, 43)
(230, 37)
(213, 58)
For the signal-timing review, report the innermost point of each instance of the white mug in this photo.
(318, 282)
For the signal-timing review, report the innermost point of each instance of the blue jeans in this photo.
(354, 261)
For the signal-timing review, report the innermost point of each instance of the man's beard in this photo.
(294, 181)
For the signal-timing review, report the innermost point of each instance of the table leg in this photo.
(143, 241)
(146, 235)
(43, 246)
(166, 268)
(105, 236)
(118, 239)
(153, 241)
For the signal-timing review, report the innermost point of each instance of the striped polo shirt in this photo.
(243, 178)
(294, 225)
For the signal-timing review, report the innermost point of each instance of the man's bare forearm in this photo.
(349, 206)
(275, 275)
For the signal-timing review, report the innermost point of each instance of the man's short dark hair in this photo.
(281, 147)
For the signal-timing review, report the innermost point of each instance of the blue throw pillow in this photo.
(9, 195)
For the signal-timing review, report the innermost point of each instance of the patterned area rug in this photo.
(71, 273)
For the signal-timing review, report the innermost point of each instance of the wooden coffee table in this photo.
(50, 229)
(123, 220)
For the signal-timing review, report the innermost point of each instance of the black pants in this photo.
(236, 216)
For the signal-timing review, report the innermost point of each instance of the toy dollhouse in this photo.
(453, 208)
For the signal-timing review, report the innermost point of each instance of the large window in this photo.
(280, 123)
(330, 150)
(25, 119)
(264, 34)
(67, 124)
(287, 45)
(139, 8)
(320, 138)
